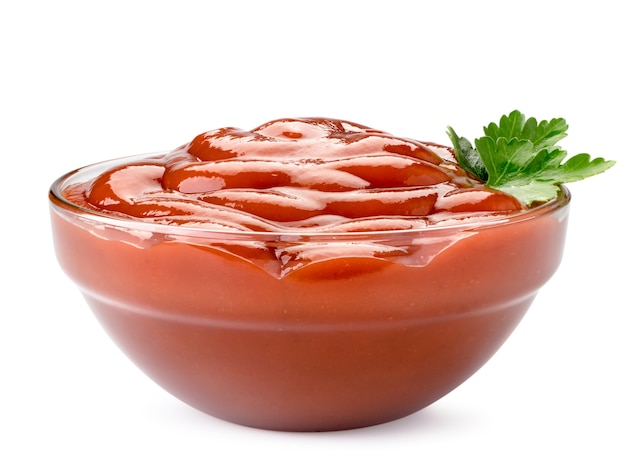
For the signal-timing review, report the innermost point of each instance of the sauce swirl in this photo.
(297, 173)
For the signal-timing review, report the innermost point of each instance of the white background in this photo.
(87, 81)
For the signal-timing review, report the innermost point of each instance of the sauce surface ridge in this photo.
(315, 174)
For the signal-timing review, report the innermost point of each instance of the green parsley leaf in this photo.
(521, 157)
(468, 156)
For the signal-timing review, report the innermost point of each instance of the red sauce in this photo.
(299, 334)
(298, 173)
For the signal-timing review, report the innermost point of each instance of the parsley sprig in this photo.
(521, 157)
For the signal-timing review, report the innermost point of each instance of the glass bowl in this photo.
(306, 331)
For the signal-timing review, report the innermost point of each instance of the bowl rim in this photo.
(65, 207)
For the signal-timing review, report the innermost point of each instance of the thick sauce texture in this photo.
(291, 174)
(297, 335)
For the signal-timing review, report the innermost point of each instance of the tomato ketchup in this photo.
(308, 274)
